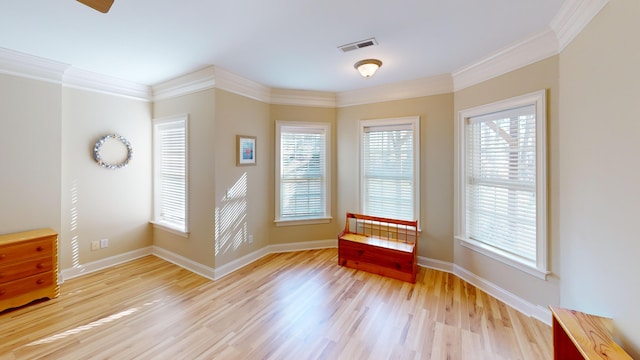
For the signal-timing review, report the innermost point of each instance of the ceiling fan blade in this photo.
(101, 5)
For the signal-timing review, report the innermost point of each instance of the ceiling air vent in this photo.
(358, 45)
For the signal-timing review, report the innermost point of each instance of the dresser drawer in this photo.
(25, 285)
(26, 268)
(25, 250)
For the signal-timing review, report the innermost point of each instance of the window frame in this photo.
(157, 222)
(540, 267)
(326, 217)
(414, 123)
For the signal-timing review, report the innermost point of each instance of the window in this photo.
(501, 181)
(389, 175)
(303, 190)
(170, 173)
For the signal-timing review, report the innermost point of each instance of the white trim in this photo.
(169, 229)
(414, 122)
(503, 295)
(208, 272)
(190, 83)
(540, 268)
(435, 85)
(184, 232)
(572, 18)
(101, 264)
(32, 67)
(228, 81)
(314, 127)
(236, 264)
(440, 265)
(502, 256)
(90, 81)
(185, 263)
(541, 313)
(310, 221)
(303, 98)
(515, 56)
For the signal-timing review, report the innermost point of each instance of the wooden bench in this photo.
(578, 336)
(379, 245)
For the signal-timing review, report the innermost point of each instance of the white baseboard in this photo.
(435, 264)
(219, 272)
(94, 266)
(503, 295)
(490, 288)
(226, 269)
(184, 262)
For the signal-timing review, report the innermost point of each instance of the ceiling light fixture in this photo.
(368, 67)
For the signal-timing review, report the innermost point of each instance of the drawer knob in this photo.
(2, 256)
(2, 275)
(40, 266)
(2, 292)
(39, 248)
(40, 281)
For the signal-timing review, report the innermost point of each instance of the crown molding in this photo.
(572, 18)
(193, 82)
(30, 66)
(228, 81)
(434, 85)
(526, 52)
(90, 81)
(303, 98)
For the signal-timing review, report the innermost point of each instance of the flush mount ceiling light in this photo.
(368, 67)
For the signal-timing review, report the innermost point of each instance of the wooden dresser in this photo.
(28, 267)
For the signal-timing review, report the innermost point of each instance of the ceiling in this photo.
(288, 44)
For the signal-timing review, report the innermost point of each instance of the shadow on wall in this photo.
(231, 218)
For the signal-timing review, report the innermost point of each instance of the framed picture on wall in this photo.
(245, 150)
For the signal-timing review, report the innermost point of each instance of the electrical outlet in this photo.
(104, 243)
(95, 245)
(250, 240)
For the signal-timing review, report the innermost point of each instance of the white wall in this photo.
(599, 170)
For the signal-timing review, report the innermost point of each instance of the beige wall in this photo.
(293, 234)
(539, 76)
(599, 174)
(436, 165)
(100, 203)
(199, 246)
(593, 178)
(244, 209)
(30, 123)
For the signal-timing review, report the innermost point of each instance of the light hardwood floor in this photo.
(298, 305)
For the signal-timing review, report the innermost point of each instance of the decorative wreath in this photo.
(98, 158)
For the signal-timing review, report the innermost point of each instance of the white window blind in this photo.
(170, 175)
(302, 171)
(501, 188)
(389, 154)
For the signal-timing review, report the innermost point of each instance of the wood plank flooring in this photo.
(299, 305)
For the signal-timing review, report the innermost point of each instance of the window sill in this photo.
(310, 221)
(503, 257)
(170, 229)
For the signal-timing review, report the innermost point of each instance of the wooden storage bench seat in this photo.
(578, 336)
(379, 245)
